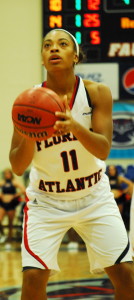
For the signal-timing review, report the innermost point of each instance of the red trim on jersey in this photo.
(74, 92)
(44, 84)
(26, 237)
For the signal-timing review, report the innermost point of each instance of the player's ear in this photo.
(76, 59)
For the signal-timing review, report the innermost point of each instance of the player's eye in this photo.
(63, 44)
(46, 45)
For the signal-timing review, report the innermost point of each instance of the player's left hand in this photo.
(64, 124)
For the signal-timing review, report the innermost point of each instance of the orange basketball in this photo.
(33, 113)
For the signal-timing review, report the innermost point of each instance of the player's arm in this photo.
(1, 184)
(102, 123)
(97, 142)
(129, 188)
(21, 153)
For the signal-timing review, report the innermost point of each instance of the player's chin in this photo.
(56, 65)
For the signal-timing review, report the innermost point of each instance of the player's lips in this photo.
(55, 58)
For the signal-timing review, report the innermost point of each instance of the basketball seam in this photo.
(54, 99)
(39, 108)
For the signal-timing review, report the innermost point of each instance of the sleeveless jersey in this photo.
(62, 168)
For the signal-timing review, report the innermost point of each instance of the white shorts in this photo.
(95, 218)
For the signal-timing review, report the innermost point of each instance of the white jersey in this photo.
(62, 168)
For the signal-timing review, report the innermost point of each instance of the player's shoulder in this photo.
(95, 86)
(98, 91)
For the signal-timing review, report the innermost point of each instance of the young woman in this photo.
(68, 186)
(10, 194)
(117, 189)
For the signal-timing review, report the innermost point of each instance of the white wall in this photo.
(20, 60)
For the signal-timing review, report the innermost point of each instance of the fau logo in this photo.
(123, 132)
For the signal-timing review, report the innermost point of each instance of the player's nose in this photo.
(54, 48)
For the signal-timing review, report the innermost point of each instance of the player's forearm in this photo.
(95, 143)
(21, 156)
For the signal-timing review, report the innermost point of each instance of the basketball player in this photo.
(68, 186)
(116, 180)
(10, 196)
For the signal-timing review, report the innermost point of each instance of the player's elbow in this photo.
(18, 171)
(103, 157)
(16, 167)
(105, 151)
(105, 154)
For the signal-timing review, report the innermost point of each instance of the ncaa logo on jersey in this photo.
(128, 81)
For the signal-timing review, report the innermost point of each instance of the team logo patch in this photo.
(123, 131)
(128, 81)
(74, 290)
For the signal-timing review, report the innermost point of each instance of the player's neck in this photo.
(61, 84)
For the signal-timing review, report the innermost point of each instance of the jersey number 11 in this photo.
(65, 160)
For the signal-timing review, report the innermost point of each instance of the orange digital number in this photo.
(95, 37)
(55, 5)
(55, 21)
(93, 4)
(91, 20)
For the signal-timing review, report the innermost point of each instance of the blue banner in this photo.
(123, 131)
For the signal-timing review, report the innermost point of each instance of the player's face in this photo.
(7, 174)
(112, 170)
(58, 51)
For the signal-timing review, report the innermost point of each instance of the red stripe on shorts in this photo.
(26, 237)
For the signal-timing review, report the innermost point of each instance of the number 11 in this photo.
(65, 160)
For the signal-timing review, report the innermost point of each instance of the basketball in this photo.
(33, 113)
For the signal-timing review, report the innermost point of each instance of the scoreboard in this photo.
(104, 28)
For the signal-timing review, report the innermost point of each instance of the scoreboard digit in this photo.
(104, 28)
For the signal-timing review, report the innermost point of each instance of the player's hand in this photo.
(64, 124)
